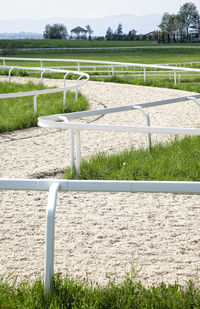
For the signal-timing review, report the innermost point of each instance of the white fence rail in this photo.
(53, 185)
(62, 121)
(77, 83)
(92, 66)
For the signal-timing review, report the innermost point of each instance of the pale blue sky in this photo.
(86, 8)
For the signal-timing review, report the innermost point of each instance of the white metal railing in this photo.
(77, 83)
(62, 121)
(53, 185)
(93, 64)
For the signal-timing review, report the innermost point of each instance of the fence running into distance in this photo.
(62, 121)
(108, 68)
(77, 83)
(53, 185)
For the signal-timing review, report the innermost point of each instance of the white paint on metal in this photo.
(195, 100)
(53, 185)
(50, 231)
(78, 83)
(90, 64)
(78, 153)
(35, 104)
(147, 121)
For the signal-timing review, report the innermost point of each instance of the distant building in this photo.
(78, 33)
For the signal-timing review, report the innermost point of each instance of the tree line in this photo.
(181, 27)
(59, 31)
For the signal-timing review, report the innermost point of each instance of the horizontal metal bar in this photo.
(104, 111)
(44, 122)
(173, 68)
(102, 186)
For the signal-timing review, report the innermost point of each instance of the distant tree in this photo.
(166, 27)
(89, 31)
(109, 34)
(188, 16)
(56, 31)
(132, 35)
(119, 29)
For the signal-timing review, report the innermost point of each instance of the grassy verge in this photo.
(53, 43)
(187, 84)
(176, 160)
(148, 56)
(68, 293)
(18, 113)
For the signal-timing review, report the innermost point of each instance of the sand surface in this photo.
(99, 236)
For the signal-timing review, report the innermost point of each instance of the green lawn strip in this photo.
(69, 293)
(57, 43)
(148, 56)
(178, 160)
(187, 84)
(18, 113)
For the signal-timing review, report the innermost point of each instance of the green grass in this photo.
(79, 43)
(150, 56)
(28, 43)
(68, 293)
(18, 113)
(178, 160)
(145, 56)
(187, 83)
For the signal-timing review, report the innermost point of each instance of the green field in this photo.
(69, 293)
(178, 160)
(127, 55)
(18, 113)
(145, 56)
(79, 43)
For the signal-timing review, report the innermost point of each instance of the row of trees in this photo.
(59, 31)
(183, 26)
(118, 35)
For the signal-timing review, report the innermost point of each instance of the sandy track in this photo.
(99, 235)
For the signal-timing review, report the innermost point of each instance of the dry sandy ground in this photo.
(99, 236)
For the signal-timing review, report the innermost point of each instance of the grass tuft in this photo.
(178, 160)
(69, 293)
(18, 113)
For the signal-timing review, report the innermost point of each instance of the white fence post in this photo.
(147, 120)
(35, 104)
(175, 79)
(78, 153)
(144, 75)
(65, 91)
(66, 120)
(9, 75)
(51, 185)
(76, 94)
(50, 231)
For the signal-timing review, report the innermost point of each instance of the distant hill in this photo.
(142, 24)
(20, 35)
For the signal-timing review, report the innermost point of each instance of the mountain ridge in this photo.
(141, 23)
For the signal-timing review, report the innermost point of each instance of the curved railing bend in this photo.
(77, 83)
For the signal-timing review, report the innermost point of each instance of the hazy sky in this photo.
(86, 8)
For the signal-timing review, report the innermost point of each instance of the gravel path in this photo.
(99, 236)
